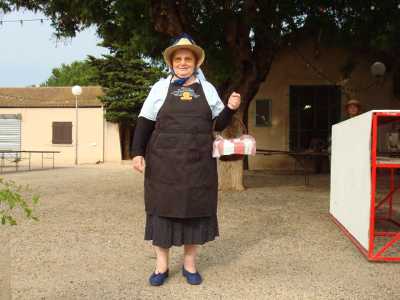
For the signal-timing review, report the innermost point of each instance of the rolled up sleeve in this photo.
(148, 110)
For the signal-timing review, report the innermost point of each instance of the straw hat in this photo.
(184, 41)
(353, 102)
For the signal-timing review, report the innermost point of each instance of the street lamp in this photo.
(378, 69)
(76, 91)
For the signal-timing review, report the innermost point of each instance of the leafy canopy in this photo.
(240, 37)
(77, 73)
(214, 23)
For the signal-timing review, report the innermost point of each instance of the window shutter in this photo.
(62, 133)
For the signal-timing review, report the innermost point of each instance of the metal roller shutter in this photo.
(10, 132)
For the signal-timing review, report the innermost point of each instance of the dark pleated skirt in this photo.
(166, 232)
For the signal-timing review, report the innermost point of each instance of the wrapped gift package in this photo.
(244, 145)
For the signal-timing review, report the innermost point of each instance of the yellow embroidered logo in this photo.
(185, 94)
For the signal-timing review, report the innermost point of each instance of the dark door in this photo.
(313, 110)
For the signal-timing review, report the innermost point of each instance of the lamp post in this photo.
(76, 91)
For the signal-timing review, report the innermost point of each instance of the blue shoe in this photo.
(192, 278)
(158, 279)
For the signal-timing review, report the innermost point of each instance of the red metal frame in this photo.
(379, 254)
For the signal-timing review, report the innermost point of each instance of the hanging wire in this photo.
(21, 21)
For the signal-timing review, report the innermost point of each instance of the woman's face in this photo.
(183, 62)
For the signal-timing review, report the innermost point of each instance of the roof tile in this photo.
(49, 97)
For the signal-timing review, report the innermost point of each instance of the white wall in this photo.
(350, 200)
(112, 145)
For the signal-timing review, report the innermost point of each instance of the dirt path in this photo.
(277, 242)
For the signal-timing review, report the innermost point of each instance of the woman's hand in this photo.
(138, 163)
(234, 101)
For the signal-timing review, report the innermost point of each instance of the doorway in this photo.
(313, 110)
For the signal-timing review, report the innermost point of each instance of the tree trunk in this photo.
(230, 175)
(125, 132)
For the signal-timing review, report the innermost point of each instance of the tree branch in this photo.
(165, 17)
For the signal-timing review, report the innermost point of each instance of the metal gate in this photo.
(10, 133)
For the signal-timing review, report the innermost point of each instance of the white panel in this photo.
(351, 176)
(10, 133)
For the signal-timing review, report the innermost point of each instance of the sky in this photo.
(28, 53)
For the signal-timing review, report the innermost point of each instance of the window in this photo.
(62, 132)
(263, 112)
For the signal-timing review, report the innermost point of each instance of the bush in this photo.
(14, 199)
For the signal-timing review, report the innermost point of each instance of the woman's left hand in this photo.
(234, 101)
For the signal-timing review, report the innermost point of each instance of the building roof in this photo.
(49, 97)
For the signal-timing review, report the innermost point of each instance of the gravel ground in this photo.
(277, 242)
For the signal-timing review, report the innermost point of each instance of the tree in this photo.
(240, 37)
(77, 73)
(126, 80)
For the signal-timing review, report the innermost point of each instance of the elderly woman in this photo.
(173, 144)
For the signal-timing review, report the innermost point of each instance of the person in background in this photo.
(353, 108)
(173, 145)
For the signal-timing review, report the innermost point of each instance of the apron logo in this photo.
(185, 93)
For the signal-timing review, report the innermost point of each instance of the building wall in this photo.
(288, 69)
(36, 134)
(112, 146)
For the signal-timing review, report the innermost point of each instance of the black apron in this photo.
(181, 175)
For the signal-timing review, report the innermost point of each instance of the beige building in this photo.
(44, 119)
(304, 94)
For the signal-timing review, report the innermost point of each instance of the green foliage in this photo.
(13, 199)
(222, 26)
(77, 73)
(126, 79)
(240, 37)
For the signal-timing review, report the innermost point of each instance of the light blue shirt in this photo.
(158, 94)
